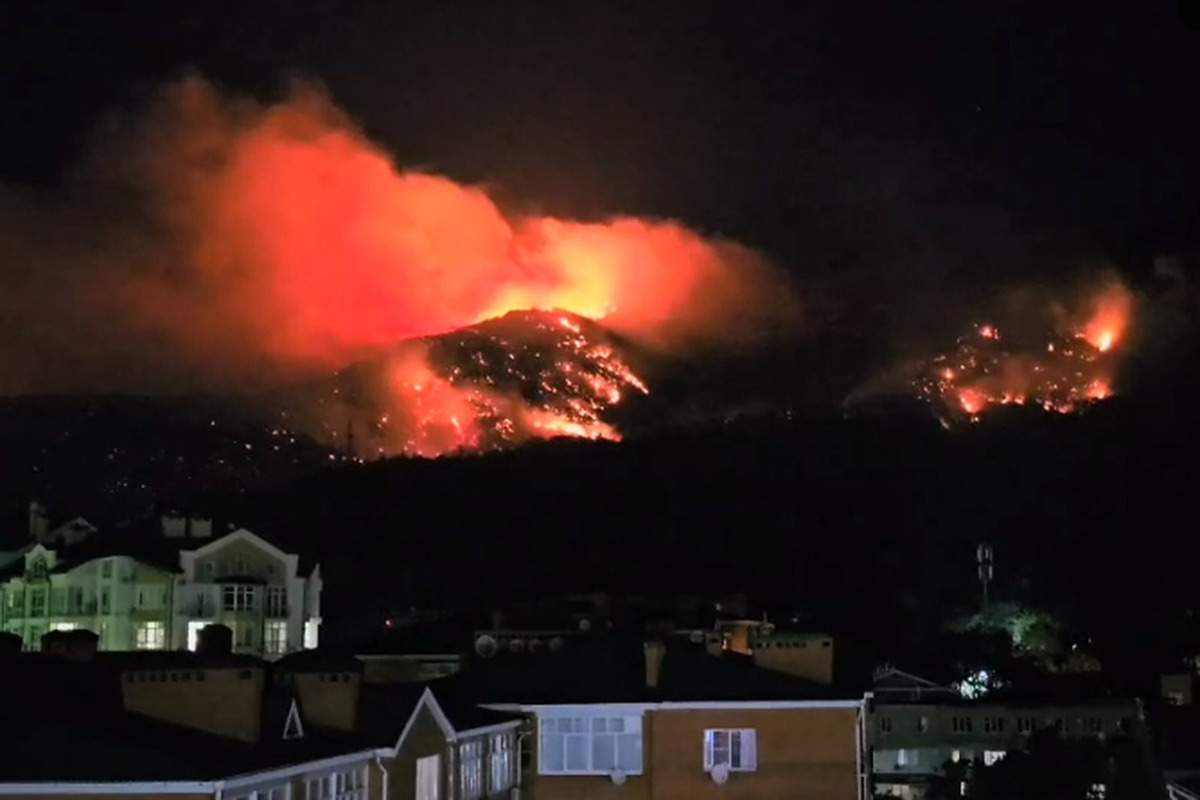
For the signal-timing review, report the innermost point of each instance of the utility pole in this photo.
(983, 561)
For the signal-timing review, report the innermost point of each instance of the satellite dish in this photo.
(720, 773)
(485, 646)
(534, 645)
(585, 625)
(556, 644)
(517, 646)
(617, 776)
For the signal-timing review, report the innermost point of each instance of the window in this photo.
(106, 569)
(1094, 725)
(736, 749)
(500, 763)
(105, 599)
(906, 758)
(1024, 724)
(151, 636)
(238, 598)
(276, 601)
(470, 769)
(63, 626)
(348, 785)
(993, 725)
(922, 724)
(961, 724)
(591, 745)
(275, 638)
(885, 724)
(37, 602)
(272, 793)
(990, 757)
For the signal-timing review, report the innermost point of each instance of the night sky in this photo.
(928, 140)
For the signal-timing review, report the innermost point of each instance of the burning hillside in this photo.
(525, 375)
(1061, 371)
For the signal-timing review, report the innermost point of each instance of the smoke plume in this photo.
(221, 244)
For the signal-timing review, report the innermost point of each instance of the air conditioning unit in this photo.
(486, 646)
(617, 776)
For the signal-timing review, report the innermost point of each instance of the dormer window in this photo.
(38, 569)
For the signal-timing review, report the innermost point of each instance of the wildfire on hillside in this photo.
(1062, 372)
(527, 375)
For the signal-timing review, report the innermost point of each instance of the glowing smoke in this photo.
(221, 244)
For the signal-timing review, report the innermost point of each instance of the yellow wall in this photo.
(224, 702)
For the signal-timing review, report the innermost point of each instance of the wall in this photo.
(126, 796)
(327, 702)
(407, 669)
(808, 657)
(809, 753)
(227, 702)
(425, 739)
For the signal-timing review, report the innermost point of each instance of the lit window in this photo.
(470, 769)
(737, 750)
(275, 638)
(990, 757)
(151, 636)
(591, 745)
(63, 626)
(106, 569)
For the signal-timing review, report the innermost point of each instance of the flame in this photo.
(297, 247)
(1069, 370)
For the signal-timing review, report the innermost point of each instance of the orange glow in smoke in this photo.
(306, 248)
(1112, 308)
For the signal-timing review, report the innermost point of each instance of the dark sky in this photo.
(921, 138)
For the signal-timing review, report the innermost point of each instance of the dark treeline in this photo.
(868, 525)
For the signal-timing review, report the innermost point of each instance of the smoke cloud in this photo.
(218, 243)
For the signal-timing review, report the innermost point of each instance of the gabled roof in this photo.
(389, 712)
(221, 540)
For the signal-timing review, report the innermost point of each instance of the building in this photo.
(217, 724)
(156, 592)
(917, 728)
(612, 717)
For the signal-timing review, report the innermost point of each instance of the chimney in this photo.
(39, 523)
(655, 651)
(214, 640)
(200, 528)
(173, 527)
(76, 645)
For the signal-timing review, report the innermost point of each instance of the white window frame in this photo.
(428, 784)
(588, 721)
(343, 784)
(274, 645)
(155, 635)
(470, 769)
(237, 597)
(279, 791)
(500, 764)
(746, 746)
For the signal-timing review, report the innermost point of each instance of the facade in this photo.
(669, 719)
(159, 593)
(696, 750)
(916, 729)
(256, 590)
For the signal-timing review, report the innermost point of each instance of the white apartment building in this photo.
(142, 595)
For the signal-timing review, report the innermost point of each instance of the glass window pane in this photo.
(616, 725)
(599, 724)
(577, 753)
(604, 752)
(629, 752)
(552, 753)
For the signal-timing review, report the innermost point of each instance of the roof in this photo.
(322, 659)
(386, 711)
(67, 723)
(127, 660)
(611, 668)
